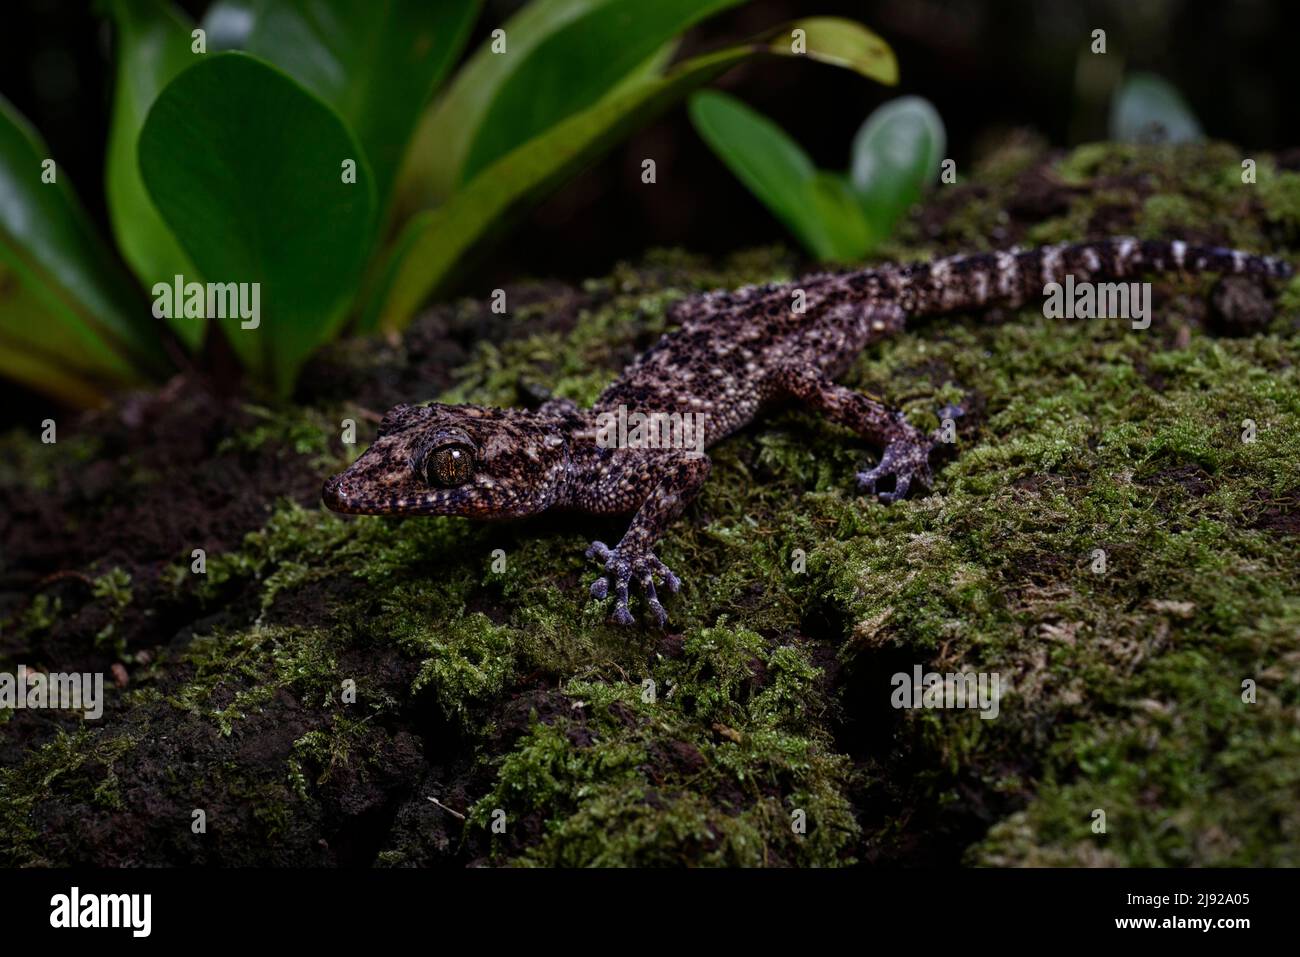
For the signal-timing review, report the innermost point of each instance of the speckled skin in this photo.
(733, 354)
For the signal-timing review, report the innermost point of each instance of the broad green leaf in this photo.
(561, 57)
(896, 154)
(436, 242)
(153, 45)
(376, 64)
(1147, 109)
(71, 321)
(246, 166)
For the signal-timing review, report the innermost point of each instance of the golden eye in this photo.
(449, 465)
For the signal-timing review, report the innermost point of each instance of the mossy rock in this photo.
(339, 690)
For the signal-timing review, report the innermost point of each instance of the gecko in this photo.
(732, 355)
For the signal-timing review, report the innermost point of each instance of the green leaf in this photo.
(246, 166)
(376, 64)
(1149, 110)
(847, 234)
(777, 170)
(153, 45)
(561, 57)
(434, 243)
(71, 323)
(896, 154)
(841, 43)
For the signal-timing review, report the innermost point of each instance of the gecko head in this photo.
(455, 460)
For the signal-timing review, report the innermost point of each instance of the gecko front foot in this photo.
(622, 565)
(906, 460)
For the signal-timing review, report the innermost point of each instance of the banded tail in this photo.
(1014, 277)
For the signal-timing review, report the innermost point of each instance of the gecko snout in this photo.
(332, 494)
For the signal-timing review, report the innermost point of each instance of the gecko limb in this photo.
(633, 558)
(906, 449)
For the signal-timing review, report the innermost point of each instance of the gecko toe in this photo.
(867, 480)
(652, 601)
(906, 461)
(671, 581)
(620, 569)
(599, 550)
(656, 609)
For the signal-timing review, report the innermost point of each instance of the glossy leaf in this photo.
(376, 64)
(1147, 109)
(153, 45)
(561, 57)
(896, 154)
(246, 166)
(71, 322)
(436, 242)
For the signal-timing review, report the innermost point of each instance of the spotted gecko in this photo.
(732, 355)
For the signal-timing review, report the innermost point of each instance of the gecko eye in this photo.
(449, 465)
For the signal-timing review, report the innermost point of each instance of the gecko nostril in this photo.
(332, 494)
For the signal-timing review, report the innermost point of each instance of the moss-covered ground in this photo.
(344, 690)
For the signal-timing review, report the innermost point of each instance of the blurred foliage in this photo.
(313, 149)
(1147, 109)
(896, 154)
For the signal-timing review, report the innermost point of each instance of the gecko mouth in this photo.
(338, 496)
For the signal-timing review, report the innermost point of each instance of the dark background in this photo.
(990, 66)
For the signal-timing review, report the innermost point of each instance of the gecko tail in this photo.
(1126, 257)
(1017, 276)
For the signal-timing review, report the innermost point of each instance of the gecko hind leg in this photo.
(906, 449)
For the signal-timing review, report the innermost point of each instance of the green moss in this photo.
(1280, 195)
(113, 588)
(236, 674)
(1165, 213)
(470, 660)
(26, 462)
(714, 758)
(77, 765)
(301, 431)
